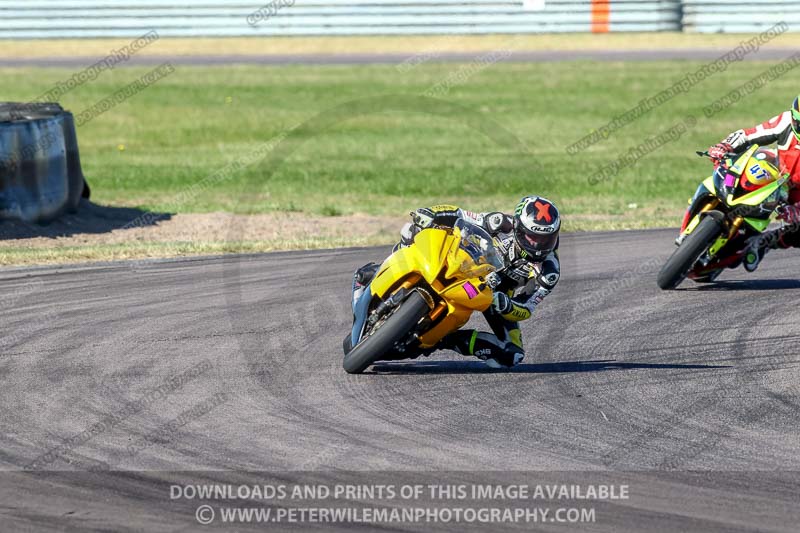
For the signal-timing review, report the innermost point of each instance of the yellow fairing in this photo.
(740, 164)
(436, 257)
(708, 183)
(761, 170)
(425, 256)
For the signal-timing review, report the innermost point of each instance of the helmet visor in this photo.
(538, 243)
(796, 123)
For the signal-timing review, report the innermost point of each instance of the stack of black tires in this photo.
(40, 167)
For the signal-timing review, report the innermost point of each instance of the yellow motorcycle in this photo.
(421, 293)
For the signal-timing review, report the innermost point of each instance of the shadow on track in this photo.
(747, 285)
(90, 218)
(477, 367)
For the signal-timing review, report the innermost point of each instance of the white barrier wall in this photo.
(35, 19)
(714, 16)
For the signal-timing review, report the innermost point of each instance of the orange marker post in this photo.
(600, 15)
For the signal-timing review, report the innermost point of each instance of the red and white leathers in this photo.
(776, 130)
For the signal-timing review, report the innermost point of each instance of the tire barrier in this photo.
(40, 166)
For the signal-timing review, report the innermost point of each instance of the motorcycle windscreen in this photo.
(475, 255)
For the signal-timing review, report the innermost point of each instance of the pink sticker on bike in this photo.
(470, 289)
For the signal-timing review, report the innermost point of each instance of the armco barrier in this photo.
(715, 16)
(37, 19)
(40, 167)
(181, 18)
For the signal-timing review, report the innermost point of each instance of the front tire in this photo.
(381, 340)
(683, 259)
(347, 343)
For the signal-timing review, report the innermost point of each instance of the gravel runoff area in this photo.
(413, 44)
(99, 233)
(103, 233)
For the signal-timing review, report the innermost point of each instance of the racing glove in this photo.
(407, 233)
(502, 303)
(717, 152)
(790, 214)
(421, 220)
(493, 280)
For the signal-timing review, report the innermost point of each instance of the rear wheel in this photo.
(383, 336)
(691, 249)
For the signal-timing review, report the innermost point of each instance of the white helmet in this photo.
(536, 226)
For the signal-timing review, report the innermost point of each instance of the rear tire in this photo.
(380, 341)
(683, 259)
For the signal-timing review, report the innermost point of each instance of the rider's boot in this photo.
(362, 277)
(485, 346)
(758, 246)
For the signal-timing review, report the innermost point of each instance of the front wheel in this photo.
(386, 333)
(691, 249)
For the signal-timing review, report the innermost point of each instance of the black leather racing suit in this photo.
(527, 282)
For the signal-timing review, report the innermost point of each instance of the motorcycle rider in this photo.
(784, 130)
(528, 242)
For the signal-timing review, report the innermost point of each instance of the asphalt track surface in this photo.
(690, 397)
(366, 58)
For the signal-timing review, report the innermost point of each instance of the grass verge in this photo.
(364, 141)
